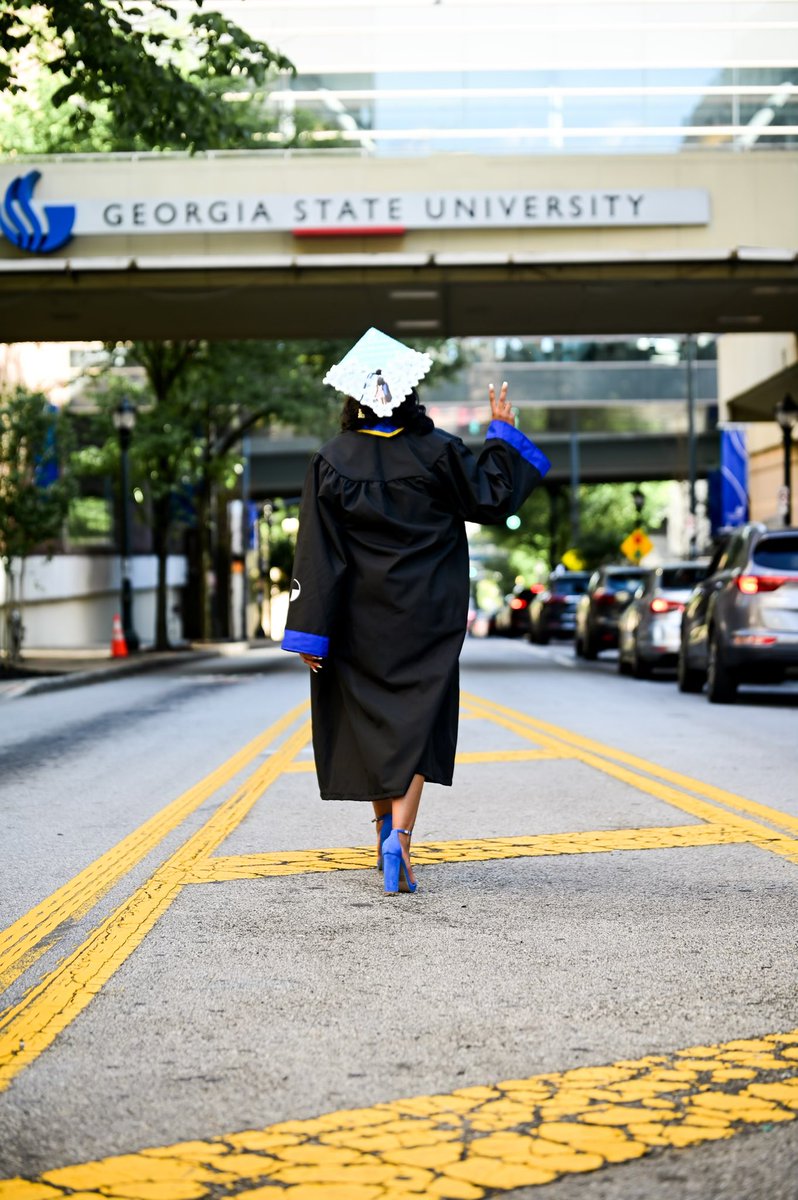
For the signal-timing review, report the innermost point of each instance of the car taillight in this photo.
(517, 603)
(602, 596)
(750, 585)
(660, 605)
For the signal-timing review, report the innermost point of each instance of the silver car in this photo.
(649, 631)
(741, 623)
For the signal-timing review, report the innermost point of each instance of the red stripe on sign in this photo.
(351, 231)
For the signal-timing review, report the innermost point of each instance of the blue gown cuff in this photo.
(520, 442)
(306, 643)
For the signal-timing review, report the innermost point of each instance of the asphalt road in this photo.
(608, 900)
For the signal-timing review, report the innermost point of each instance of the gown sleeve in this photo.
(491, 487)
(319, 565)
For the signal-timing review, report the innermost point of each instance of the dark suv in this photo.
(741, 622)
(598, 612)
(552, 613)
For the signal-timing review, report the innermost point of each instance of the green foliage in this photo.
(203, 397)
(89, 521)
(35, 489)
(236, 386)
(156, 80)
(606, 515)
(31, 124)
(199, 401)
(282, 544)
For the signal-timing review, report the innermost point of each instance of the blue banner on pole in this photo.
(733, 477)
(46, 466)
(253, 516)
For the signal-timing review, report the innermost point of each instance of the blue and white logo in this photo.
(23, 226)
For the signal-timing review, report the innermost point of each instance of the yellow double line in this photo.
(30, 1026)
(702, 800)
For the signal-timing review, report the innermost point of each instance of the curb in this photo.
(75, 679)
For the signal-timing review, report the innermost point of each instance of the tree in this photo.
(607, 515)
(35, 488)
(159, 80)
(199, 401)
(213, 394)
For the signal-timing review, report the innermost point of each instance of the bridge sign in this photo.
(637, 545)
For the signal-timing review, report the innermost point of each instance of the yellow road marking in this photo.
(361, 858)
(23, 941)
(709, 791)
(32, 1025)
(758, 835)
(472, 1143)
(307, 766)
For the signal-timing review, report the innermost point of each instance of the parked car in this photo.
(598, 612)
(552, 613)
(480, 625)
(649, 631)
(511, 620)
(740, 624)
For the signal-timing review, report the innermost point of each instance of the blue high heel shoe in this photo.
(395, 864)
(385, 830)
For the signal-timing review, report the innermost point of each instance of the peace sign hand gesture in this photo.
(501, 409)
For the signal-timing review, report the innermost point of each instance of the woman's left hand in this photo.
(313, 661)
(501, 409)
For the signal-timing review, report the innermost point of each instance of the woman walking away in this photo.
(379, 597)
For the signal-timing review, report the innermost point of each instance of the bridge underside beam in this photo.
(279, 468)
(334, 297)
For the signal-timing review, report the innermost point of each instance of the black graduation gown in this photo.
(381, 588)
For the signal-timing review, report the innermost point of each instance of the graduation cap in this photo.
(379, 372)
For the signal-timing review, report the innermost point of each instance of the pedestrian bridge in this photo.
(241, 245)
(278, 467)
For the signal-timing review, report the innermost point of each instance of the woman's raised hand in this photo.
(501, 409)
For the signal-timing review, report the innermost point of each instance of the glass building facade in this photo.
(591, 385)
(546, 79)
(534, 76)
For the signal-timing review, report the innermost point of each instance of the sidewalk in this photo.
(54, 670)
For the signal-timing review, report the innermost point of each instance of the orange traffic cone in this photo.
(118, 643)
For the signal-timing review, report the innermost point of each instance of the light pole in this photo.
(124, 424)
(786, 413)
(689, 353)
(575, 472)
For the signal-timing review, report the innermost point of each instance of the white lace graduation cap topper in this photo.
(379, 372)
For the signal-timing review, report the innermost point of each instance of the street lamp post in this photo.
(689, 362)
(575, 471)
(786, 413)
(124, 423)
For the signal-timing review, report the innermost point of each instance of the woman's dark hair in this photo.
(410, 415)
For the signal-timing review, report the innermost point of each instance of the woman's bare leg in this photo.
(404, 810)
(381, 809)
